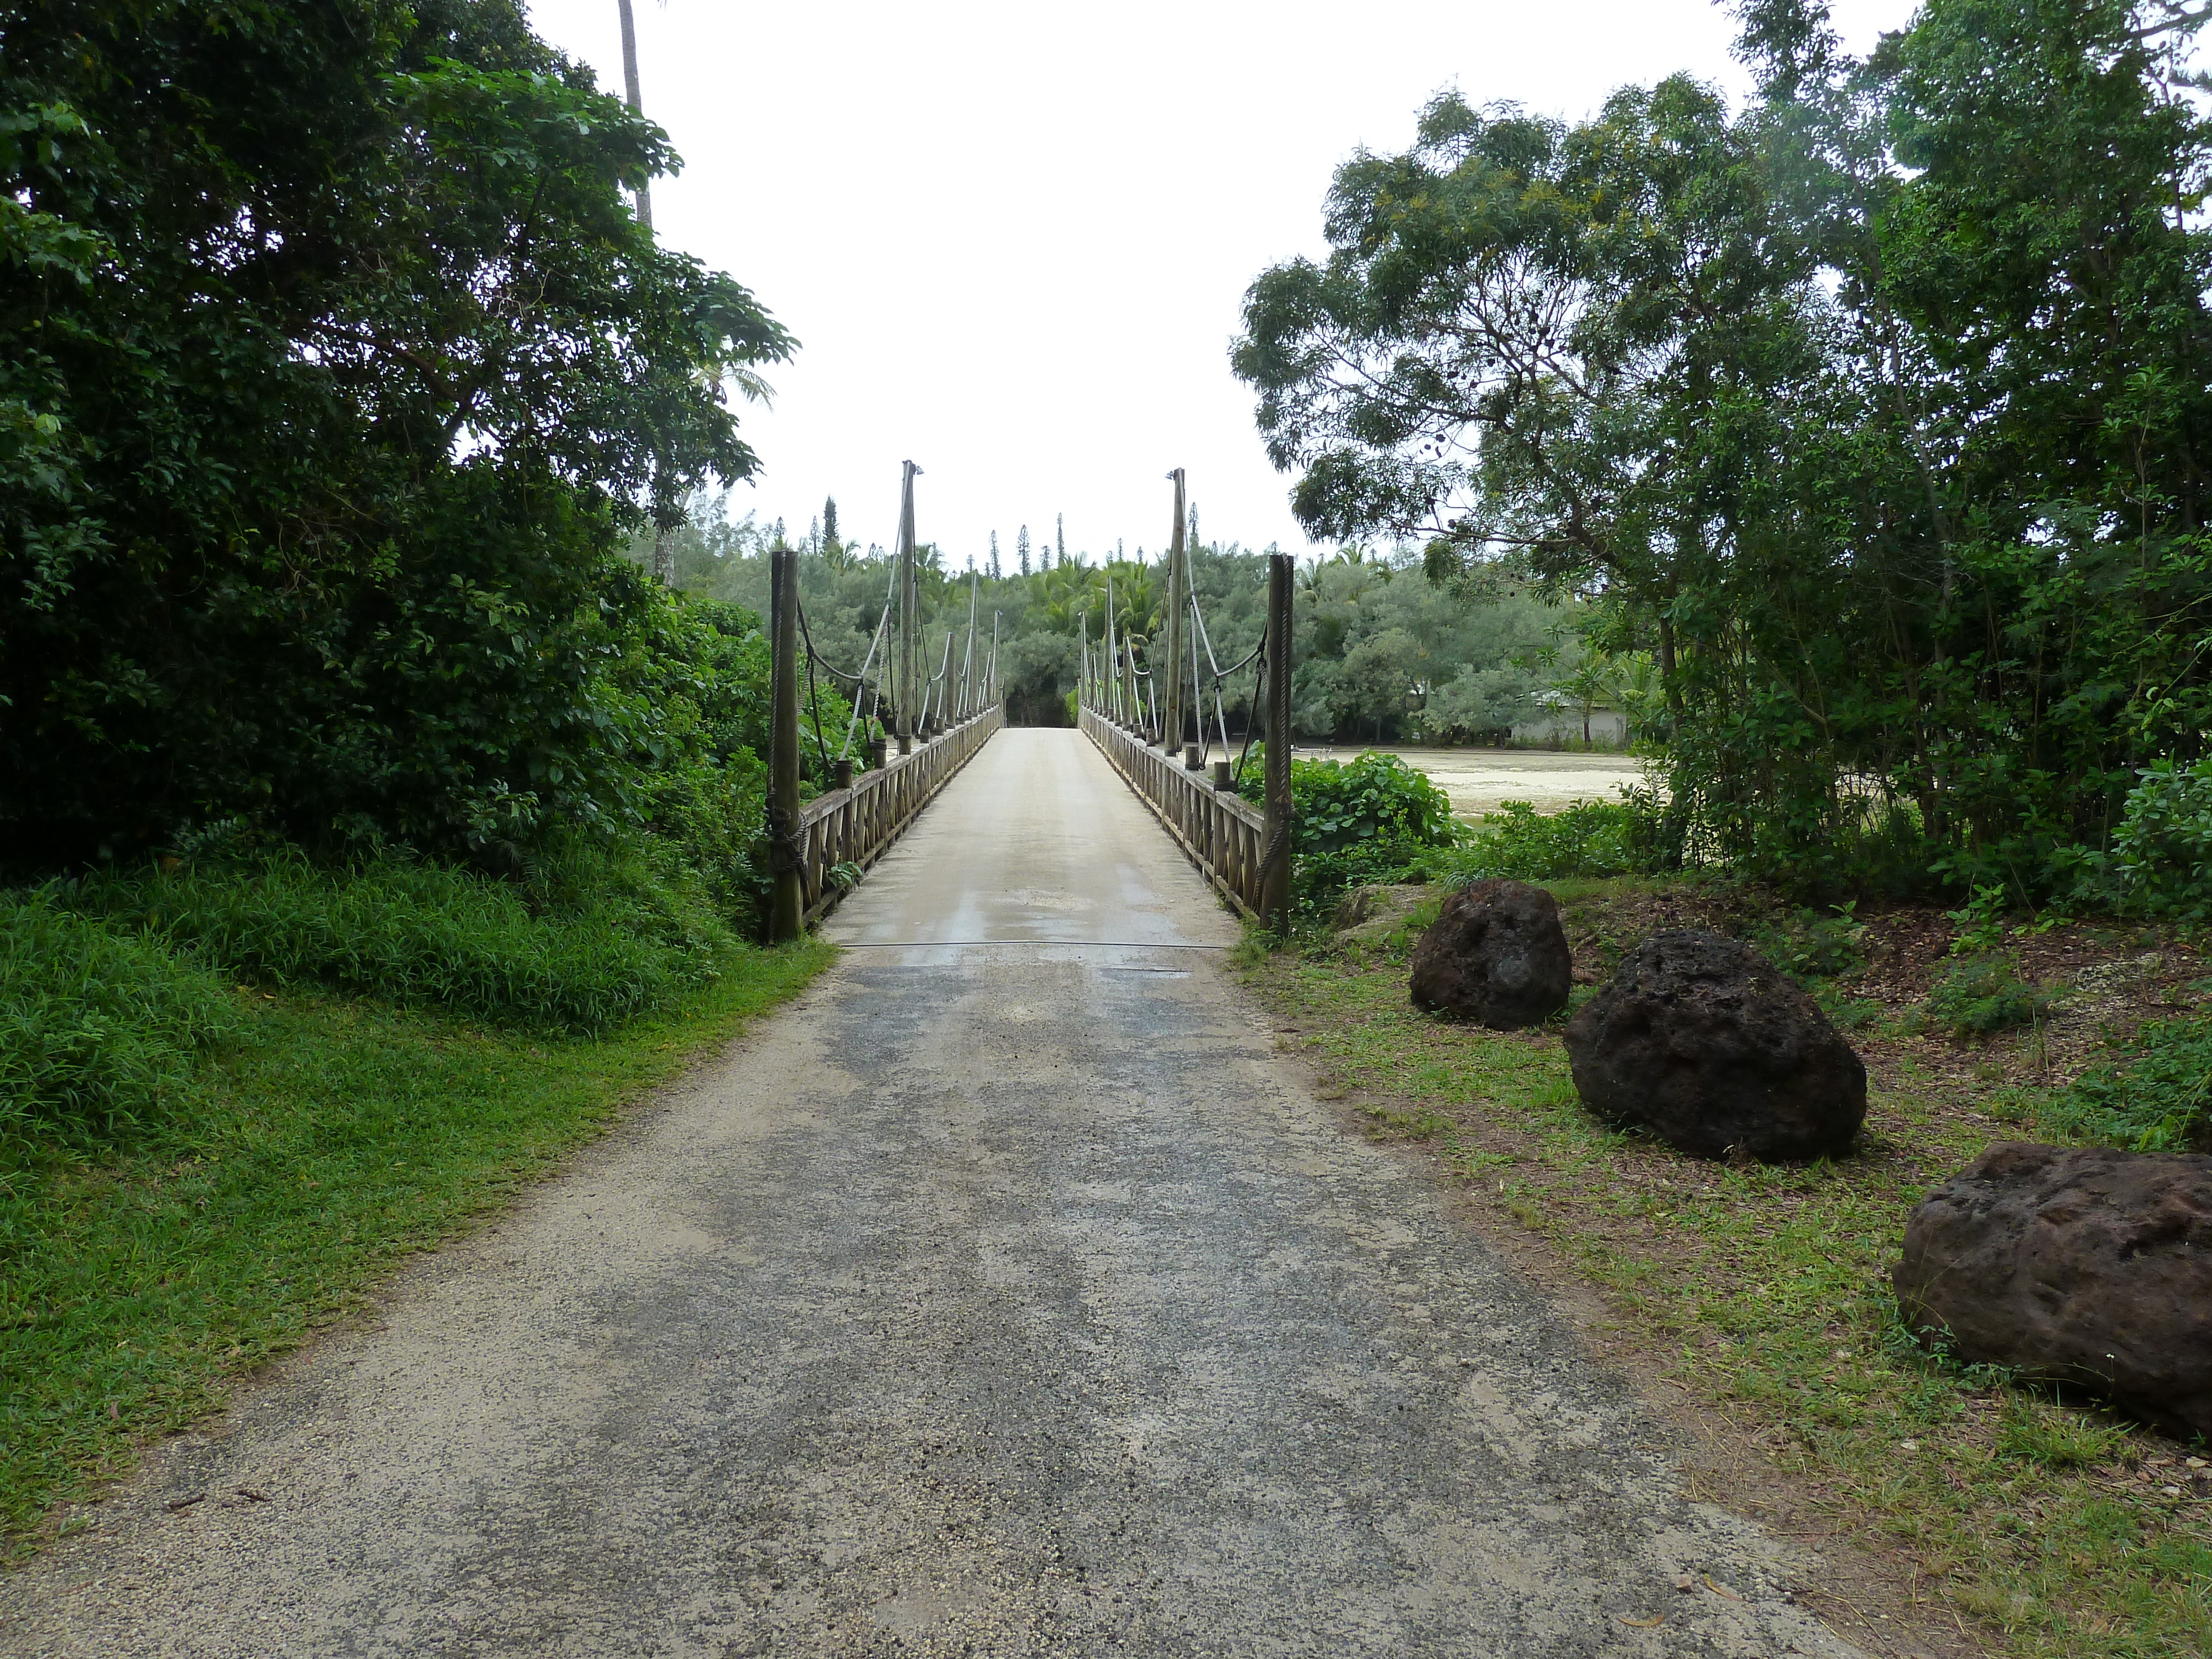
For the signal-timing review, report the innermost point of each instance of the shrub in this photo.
(100, 1026)
(1365, 819)
(1371, 798)
(2160, 863)
(2157, 1099)
(1985, 993)
(1810, 946)
(1587, 838)
(587, 940)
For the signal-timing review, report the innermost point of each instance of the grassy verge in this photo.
(2036, 1528)
(139, 1278)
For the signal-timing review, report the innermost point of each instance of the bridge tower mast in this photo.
(909, 610)
(1167, 671)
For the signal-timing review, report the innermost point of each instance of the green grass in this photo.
(594, 938)
(101, 1027)
(1763, 1292)
(141, 1276)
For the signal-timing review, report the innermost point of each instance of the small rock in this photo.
(2087, 1267)
(1686, 1583)
(1702, 1041)
(1496, 956)
(1908, 1445)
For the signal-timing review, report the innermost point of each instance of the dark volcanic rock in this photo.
(1707, 1044)
(1497, 956)
(2087, 1267)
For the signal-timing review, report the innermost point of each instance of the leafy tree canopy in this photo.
(1871, 412)
(332, 361)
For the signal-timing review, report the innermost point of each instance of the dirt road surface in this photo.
(1007, 1294)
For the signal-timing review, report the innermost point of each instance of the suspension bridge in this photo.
(1150, 704)
(1010, 1293)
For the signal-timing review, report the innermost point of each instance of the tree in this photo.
(1022, 549)
(1873, 412)
(343, 364)
(996, 574)
(1060, 538)
(830, 520)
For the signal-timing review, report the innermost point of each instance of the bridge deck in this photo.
(1036, 843)
(1007, 1294)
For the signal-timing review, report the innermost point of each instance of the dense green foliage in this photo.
(2155, 1097)
(1372, 798)
(2160, 862)
(1584, 838)
(332, 366)
(1868, 416)
(101, 1028)
(1978, 994)
(115, 988)
(586, 943)
(1370, 818)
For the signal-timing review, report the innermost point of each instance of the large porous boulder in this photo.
(1496, 956)
(2085, 1266)
(1702, 1041)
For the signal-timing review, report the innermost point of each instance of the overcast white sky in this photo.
(1013, 239)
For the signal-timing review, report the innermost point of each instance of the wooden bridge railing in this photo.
(1136, 718)
(1225, 835)
(855, 826)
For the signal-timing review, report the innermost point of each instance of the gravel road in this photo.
(1007, 1294)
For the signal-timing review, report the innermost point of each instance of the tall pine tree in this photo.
(1022, 549)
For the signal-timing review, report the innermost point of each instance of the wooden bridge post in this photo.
(1168, 670)
(909, 609)
(1274, 905)
(786, 895)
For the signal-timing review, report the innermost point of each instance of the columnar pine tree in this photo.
(1060, 538)
(1022, 549)
(830, 520)
(995, 571)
